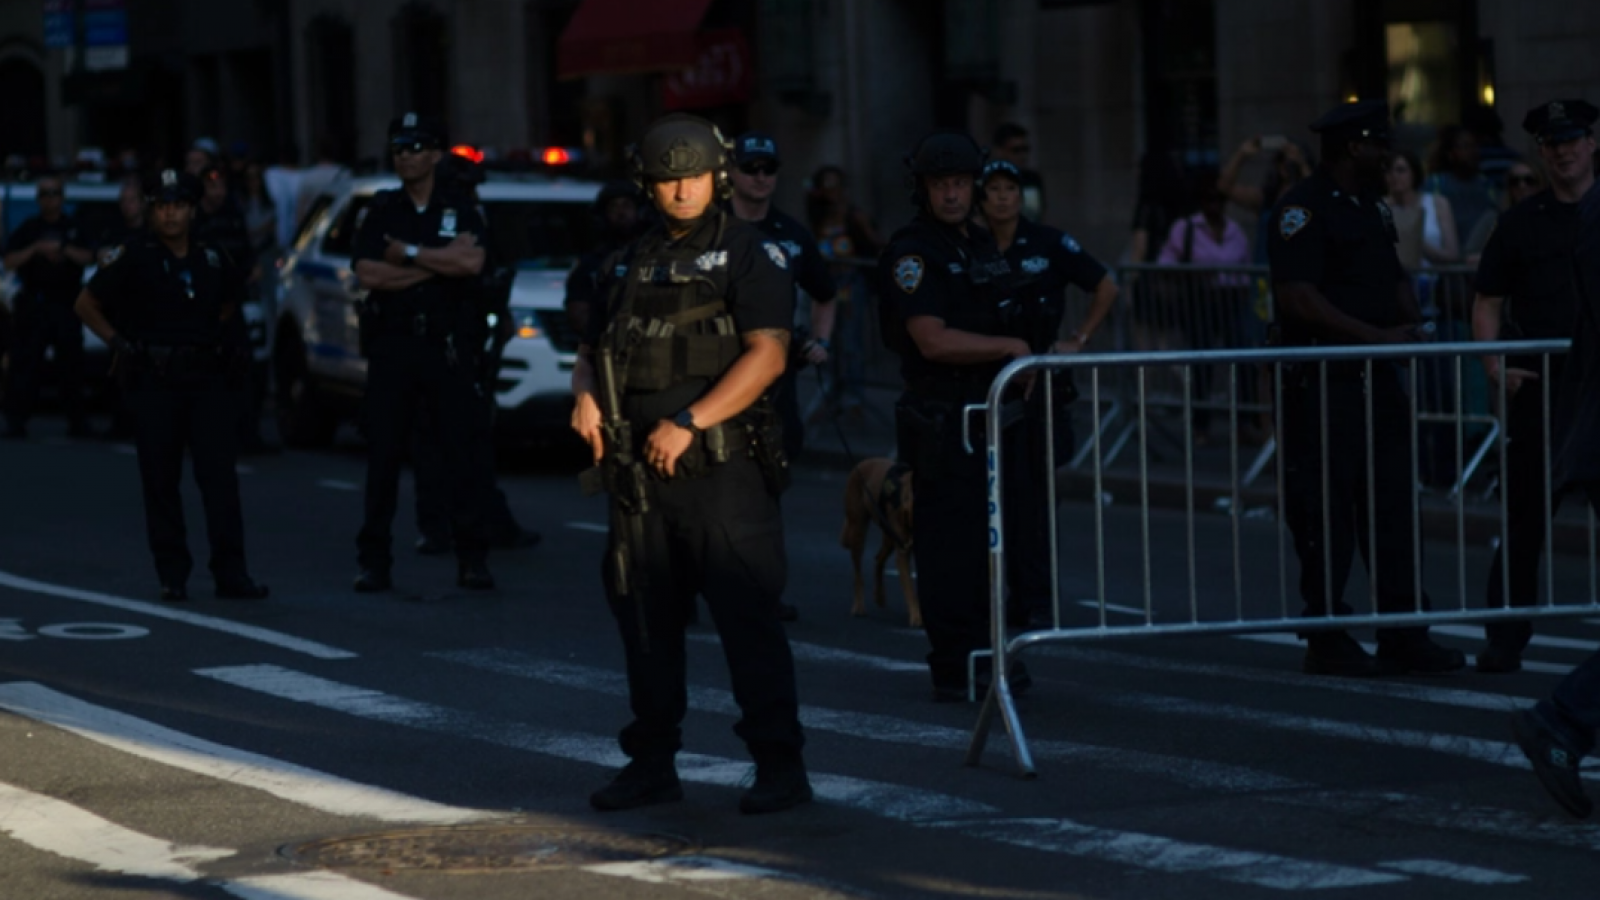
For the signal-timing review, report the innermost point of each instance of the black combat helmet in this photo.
(680, 146)
(947, 153)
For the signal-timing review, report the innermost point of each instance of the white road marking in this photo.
(1453, 871)
(237, 629)
(589, 526)
(1289, 640)
(12, 630)
(680, 869)
(817, 653)
(1146, 851)
(1195, 773)
(338, 485)
(47, 824)
(905, 804)
(320, 885)
(1475, 632)
(285, 780)
(890, 800)
(94, 631)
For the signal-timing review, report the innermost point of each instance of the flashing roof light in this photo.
(555, 156)
(468, 152)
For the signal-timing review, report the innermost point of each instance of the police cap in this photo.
(946, 153)
(1560, 121)
(1362, 120)
(753, 146)
(679, 146)
(172, 186)
(1000, 168)
(413, 128)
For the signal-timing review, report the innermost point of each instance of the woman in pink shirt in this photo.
(1208, 308)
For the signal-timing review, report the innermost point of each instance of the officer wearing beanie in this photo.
(694, 330)
(419, 253)
(943, 304)
(168, 305)
(1337, 280)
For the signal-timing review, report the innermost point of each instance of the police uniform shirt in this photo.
(1528, 261)
(392, 215)
(806, 264)
(928, 271)
(226, 228)
(154, 296)
(1575, 431)
(1342, 243)
(58, 281)
(750, 274)
(1051, 260)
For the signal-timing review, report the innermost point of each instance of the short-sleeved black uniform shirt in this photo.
(56, 282)
(1047, 261)
(1528, 261)
(928, 269)
(806, 265)
(1342, 243)
(154, 296)
(448, 215)
(748, 272)
(227, 228)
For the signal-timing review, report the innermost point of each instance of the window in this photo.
(309, 223)
(539, 233)
(1423, 69)
(1180, 79)
(341, 237)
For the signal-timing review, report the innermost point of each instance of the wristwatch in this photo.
(685, 420)
(411, 253)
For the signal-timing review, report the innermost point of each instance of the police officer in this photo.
(1525, 291)
(618, 211)
(418, 252)
(128, 227)
(1044, 263)
(489, 328)
(668, 385)
(48, 253)
(944, 286)
(1337, 281)
(220, 222)
(755, 179)
(168, 307)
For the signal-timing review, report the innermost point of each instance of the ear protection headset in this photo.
(720, 166)
(941, 152)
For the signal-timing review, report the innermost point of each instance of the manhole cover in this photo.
(485, 847)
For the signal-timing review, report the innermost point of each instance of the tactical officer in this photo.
(1337, 280)
(418, 252)
(48, 254)
(755, 179)
(618, 210)
(1044, 263)
(945, 289)
(490, 328)
(220, 222)
(168, 307)
(668, 390)
(1528, 262)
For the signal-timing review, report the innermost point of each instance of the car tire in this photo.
(305, 419)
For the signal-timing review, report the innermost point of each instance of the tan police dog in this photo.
(879, 490)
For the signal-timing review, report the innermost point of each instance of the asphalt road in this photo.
(223, 749)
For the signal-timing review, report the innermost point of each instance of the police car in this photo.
(538, 224)
(94, 205)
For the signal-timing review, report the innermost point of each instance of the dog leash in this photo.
(838, 429)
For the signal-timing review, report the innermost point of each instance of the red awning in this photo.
(614, 37)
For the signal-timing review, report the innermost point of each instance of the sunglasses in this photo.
(1522, 180)
(759, 169)
(400, 147)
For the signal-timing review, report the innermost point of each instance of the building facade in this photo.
(850, 82)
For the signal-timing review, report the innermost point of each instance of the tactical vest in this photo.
(670, 322)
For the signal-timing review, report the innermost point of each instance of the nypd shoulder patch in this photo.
(775, 253)
(908, 273)
(1292, 219)
(1071, 245)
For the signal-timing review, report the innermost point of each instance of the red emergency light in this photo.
(556, 156)
(468, 152)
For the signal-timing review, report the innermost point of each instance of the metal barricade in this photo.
(1173, 600)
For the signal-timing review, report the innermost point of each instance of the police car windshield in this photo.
(539, 234)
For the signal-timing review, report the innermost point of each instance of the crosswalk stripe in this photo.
(228, 626)
(804, 652)
(48, 824)
(1452, 871)
(281, 779)
(305, 886)
(912, 806)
